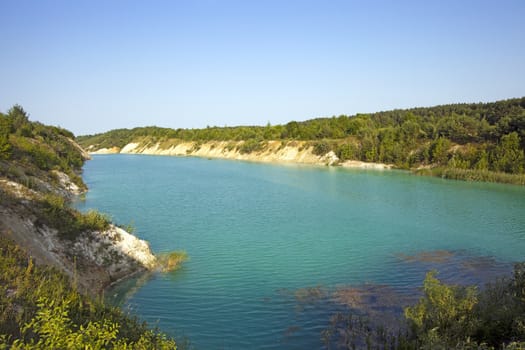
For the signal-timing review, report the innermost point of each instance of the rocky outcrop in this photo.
(85, 155)
(66, 186)
(270, 152)
(94, 259)
(111, 150)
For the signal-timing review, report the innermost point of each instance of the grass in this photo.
(474, 175)
(56, 213)
(172, 261)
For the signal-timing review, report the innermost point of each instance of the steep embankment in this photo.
(300, 152)
(39, 174)
(94, 258)
(478, 141)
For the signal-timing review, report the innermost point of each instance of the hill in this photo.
(50, 253)
(482, 141)
(53, 258)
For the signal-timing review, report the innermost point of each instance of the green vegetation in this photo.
(54, 211)
(172, 261)
(445, 313)
(481, 137)
(39, 309)
(446, 317)
(29, 150)
(30, 154)
(251, 145)
(474, 175)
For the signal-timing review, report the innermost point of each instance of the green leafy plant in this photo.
(40, 309)
(444, 313)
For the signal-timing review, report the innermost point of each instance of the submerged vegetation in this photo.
(445, 317)
(480, 141)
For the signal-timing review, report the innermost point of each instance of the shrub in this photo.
(347, 151)
(92, 221)
(56, 213)
(444, 313)
(251, 145)
(46, 312)
(321, 148)
(463, 317)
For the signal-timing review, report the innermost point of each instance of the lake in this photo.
(275, 250)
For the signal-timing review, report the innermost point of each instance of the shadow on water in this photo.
(118, 294)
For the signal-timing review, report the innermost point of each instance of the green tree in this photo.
(19, 117)
(482, 162)
(508, 156)
(347, 151)
(439, 150)
(5, 145)
(387, 143)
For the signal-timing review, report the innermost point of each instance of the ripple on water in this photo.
(251, 230)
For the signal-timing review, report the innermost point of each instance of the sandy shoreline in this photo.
(294, 152)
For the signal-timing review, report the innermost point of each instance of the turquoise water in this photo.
(258, 233)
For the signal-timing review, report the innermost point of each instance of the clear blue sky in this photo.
(95, 65)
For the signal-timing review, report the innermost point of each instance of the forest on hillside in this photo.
(484, 137)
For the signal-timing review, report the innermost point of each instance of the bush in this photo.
(46, 312)
(444, 314)
(321, 148)
(463, 317)
(56, 213)
(251, 145)
(93, 221)
(347, 151)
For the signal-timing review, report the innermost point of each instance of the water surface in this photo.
(263, 239)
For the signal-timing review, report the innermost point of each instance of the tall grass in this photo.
(474, 175)
(172, 261)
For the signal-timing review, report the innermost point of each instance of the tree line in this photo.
(477, 136)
